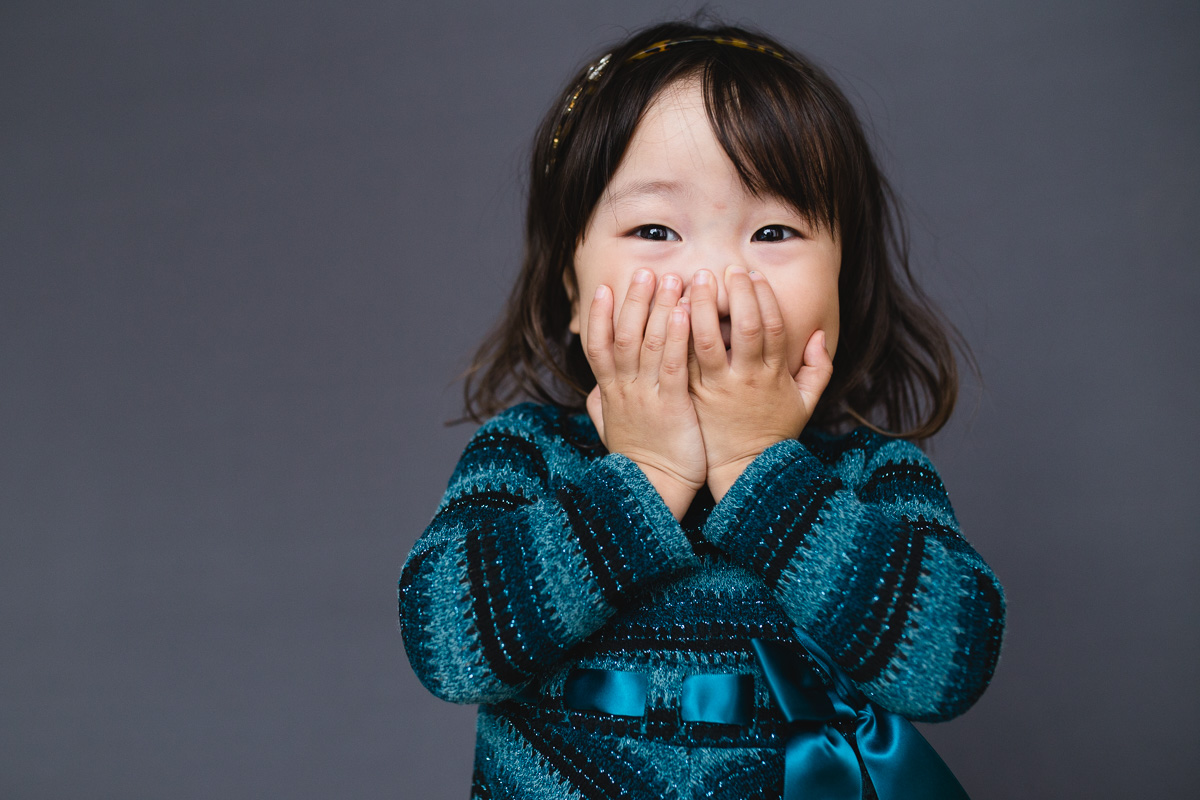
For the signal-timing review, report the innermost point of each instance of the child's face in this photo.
(676, 205)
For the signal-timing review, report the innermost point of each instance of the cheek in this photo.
(813, 308)
(617, 283)
(587, 280)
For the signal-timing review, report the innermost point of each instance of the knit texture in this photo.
(547, 553)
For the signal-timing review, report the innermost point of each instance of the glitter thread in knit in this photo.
(548, 554)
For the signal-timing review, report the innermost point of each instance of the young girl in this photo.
(683, 572)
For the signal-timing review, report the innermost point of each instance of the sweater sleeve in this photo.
(533, 548)
(864, 553)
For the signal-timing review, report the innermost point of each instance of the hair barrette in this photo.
(593, 73)
(667, 44)
(585, 87)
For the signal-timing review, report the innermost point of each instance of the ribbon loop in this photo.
(821, 763)
(901, 764)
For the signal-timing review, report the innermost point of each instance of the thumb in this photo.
(816, 370)
(595, 409)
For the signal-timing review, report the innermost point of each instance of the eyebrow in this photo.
(638, 189)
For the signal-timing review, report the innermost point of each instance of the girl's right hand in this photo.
(640, 406)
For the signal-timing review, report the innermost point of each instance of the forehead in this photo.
(673, 151)
(673, 111)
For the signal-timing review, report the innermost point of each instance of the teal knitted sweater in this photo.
(548, 554)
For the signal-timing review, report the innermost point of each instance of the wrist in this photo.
(675, 491)
(722, 477)
(723, 473)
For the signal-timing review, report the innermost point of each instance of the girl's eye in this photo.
(774, 233)
(656, 233)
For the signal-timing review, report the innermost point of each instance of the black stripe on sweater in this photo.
(483, 570)
(903, 473)
(889, 613)
(793, 529)
(574, 767)
(987, 652)
(594, 537)
(489, 499)
(507, 449)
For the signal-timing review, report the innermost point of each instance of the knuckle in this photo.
(653, 342)
(672, 367)
(774, 327)
(747, 327)
(625, 340)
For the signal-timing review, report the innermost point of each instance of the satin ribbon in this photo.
(902, 765)
(818, 761)
(717, 697)
(609, 691)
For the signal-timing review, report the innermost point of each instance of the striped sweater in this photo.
(547, 554)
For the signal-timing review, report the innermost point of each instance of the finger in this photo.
(655, 339)
(595, 409)
(745, 323)
(816, 370)
(774, 332)
(673, 375)
(599, 350)
(693, 363)
(707, 343)
(631, 324)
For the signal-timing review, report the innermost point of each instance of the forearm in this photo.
(491, 604)
(875, 572)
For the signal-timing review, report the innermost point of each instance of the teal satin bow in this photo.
(818, 761)
(902, 765)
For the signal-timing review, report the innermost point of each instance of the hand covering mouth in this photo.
(726, 332)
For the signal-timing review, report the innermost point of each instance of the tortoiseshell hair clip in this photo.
(586, 86)
(667, 44)
(592, 76)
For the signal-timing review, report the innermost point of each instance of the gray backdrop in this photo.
(247, 247)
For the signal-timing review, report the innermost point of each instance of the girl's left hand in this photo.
(746, 399)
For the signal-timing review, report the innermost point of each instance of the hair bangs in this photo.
(778, 135)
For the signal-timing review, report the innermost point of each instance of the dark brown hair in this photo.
(790, 132)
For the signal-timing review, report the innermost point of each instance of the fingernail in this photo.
(641, 276)
(670, 282)
(599, 292)
(736, 270)
(701, 278)
(755, 276)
